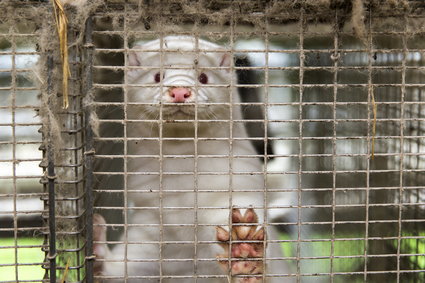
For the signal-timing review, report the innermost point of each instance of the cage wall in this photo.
(42, 149)
(310, 113)
(21, 194)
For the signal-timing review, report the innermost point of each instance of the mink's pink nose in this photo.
(179, 94)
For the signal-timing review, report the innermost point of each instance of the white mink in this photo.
(187, 167)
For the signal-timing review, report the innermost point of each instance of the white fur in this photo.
(197, 189)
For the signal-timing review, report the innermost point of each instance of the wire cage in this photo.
(312, 116)
(21, 209)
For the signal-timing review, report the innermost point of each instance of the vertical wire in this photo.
(51, 180)
(14, 161)
(419, 162)
(334, 57)
(265, 124)
(400, 197)
(370, 90)
(161, 161)
(300, 146)
(89, 149)
(125, 140)
(231, 95)
(195, 179)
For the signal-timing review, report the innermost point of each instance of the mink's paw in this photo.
(245, 247)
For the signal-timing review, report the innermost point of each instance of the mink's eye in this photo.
(203, 78)
(157, 77)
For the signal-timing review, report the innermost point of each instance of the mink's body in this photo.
(191, 164)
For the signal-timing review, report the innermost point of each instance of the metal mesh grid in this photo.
(350, 214)
(342, 215)
(21, 208)
(67, 165)
(64, 182)
(43, 230)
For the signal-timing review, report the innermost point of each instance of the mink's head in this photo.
(179, 76)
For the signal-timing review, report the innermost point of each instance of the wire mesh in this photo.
(21, 207)
(334, 111)
(319, 85)
(42, 151)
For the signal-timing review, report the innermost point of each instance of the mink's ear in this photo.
(133, 58)
(225, 61)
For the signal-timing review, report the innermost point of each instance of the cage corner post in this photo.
(89, 150)
(51, 256)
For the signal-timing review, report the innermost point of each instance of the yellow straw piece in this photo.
(61, 25)
(65, 273)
